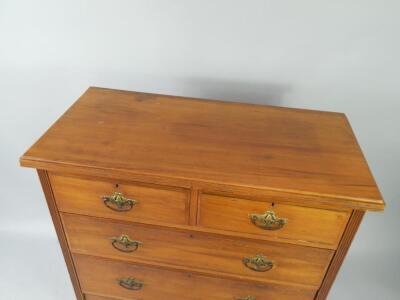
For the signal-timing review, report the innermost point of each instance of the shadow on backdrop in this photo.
(238, 91)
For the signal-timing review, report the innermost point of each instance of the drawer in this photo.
(150, 203)
(102, 277)
(201, 252)
(286, 223)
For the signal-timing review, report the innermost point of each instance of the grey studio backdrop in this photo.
(328, 55)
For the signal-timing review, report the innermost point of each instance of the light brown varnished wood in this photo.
(94, 297)
(309, 226)
(340, 254)
(284, 197)
(198, 168)
(155, 203)
(213, 142)
(44, 180)
(100, 276)
(194, 200)
(198, 251)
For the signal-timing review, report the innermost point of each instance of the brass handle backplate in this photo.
(258, 263)
(246, 298)
(118, 202)
(124, 244)
(268, 221)
(130, 283)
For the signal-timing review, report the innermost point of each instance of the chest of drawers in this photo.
(162, 197)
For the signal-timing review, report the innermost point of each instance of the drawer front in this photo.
(287, 223)
(101, 277)
(209, 253)
(149, 204)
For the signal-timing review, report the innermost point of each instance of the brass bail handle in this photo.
(118, 202)
(130, 283)
(258, 263)
(268, 220)
(124, 244)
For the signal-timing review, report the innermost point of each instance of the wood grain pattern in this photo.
(253, 146)
(309, 226)
(83, 196)
(100, 276)
(198, 168)
(94, 297)
(340, 254)
(198, 251)
(286, 197)
(194, 200)
(44, 180)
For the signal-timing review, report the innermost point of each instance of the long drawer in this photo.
(119, 280)
(113, 199)
(286, 223)
(209, 253)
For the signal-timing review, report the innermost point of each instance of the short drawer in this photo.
(116, 200)
(112, 279)
(203, 252)
(286, 223)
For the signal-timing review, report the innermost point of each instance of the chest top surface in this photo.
(255, 146)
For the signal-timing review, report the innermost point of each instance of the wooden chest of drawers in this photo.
(161, 197)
